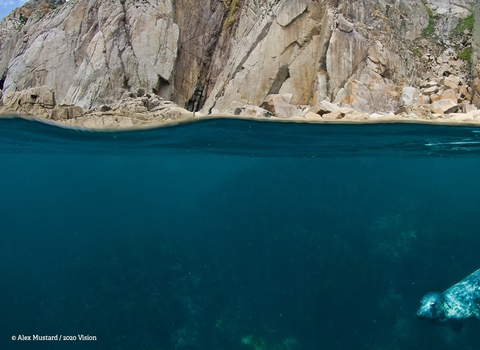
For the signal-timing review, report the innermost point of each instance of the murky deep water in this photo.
(235, 235)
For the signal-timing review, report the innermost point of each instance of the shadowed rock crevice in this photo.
(282, 75)
(201, 29)
(163, 88)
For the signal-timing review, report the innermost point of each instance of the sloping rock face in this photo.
(476, 56)
(138, 109)
(93, 52)
(220, 56)
(350, 52)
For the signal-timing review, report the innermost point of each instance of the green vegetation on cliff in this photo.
(430, 28)
(466, 54)
(464, 24)
(231, 5)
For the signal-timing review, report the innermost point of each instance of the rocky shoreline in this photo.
(437, 101)
(116, 65)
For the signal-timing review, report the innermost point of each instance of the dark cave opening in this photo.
(163, 88)
(195, 102)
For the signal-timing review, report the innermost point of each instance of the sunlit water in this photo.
(229, 234)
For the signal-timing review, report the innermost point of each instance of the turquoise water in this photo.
(229, 234)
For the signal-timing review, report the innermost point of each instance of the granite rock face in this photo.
(138, 109)
(92, 52)
(232, 55)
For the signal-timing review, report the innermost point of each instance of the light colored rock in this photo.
(403, 110)
(476, 89)
(341, 96)
(424, 100)
(410, 96)
(445, 106)
(312, 116)
(463, 92)
(470, 108)
(369, 94)
(451, 82)
(104, 122)
(445, 95)
(355, 115)
(322, 87)
(461, 116)
(449, 94)
(346, 110)
(252, 111)
(40, 102)
(430, 84)
(476, 55)
(291, 10)
(61, 112)
(422, 111)
(344, 25)
(345, 55)
(324, 107)
(280, 106)
(447, 14)
(88, 55)
(376, 116)
(96, 52)
(272, 59)
(37, 101)
(332, 116)
(431, 90)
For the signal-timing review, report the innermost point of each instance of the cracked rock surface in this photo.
(375, 57)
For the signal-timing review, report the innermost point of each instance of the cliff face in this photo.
(219, 55)
(93, 51)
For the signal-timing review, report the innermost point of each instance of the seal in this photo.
(458, 303)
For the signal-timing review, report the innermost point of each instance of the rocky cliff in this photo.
(231, 56)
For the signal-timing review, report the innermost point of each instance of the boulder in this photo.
(62, 112)
(252, 111)
(403, 110)
(291, 10)
(429, 84)
(422, 111)
(445, 95)
(476, 92)
(332, 116)
(312, 116)
(463, 92)
(37, 101)
(468, 107)
(344, 25)
(324, 107)
(101, 122)
(410, 96)
(431, 90)
(451, 82)
(346, 110)
(445, 106)
(280, 106)
(461, 116)
(424, 100)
